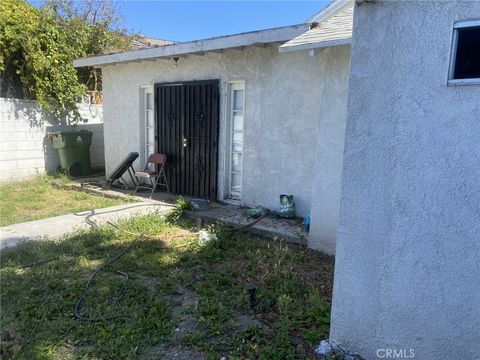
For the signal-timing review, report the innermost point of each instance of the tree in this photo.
(97, 28)
(38, 46)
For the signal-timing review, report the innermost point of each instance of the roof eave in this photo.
(328, 11)
(253, 38)
(316, 45)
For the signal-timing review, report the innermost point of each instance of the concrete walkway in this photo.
(58, 226)
(271, 227)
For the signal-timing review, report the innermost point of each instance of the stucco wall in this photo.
(24, 150)
(282, 105)
(329, 152)
(407, 272)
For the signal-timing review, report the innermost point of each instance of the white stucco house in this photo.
(242, 118)
(407, 268)
(373, 127)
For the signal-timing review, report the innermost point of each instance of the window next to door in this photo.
(149, 121)
(235, 114)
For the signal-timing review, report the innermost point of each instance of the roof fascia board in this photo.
(316, 45)
(280, 34)
(328, 11)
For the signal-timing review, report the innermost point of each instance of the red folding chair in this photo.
(159, 176)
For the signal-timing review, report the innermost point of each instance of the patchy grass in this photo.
(39, 198)
(182, 301)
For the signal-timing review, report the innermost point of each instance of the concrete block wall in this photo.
(24, 150)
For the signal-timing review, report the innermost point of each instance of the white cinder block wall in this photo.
(407, 269)
(284, 111)
(24, 151)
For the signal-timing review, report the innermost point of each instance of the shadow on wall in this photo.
(25, 151)
(35, 115)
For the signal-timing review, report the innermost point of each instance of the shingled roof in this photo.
(143, 42)
(334, 30)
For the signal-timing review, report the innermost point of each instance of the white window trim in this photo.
(453, 54)
(229, 140)
(146, 89)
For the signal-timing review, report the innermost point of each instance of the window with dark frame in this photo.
(466, 56)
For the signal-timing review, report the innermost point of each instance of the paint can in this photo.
(287, 207)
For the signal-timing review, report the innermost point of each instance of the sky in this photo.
(190, 20)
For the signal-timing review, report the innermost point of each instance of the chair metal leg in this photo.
(166, 181)
(154, 185)
(136, 187)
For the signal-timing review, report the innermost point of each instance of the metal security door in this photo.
(187, 118)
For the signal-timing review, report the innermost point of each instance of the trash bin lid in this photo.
(80, 132)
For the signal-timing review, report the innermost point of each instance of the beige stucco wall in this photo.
(283, 107)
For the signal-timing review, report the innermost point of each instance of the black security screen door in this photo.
(187, 124)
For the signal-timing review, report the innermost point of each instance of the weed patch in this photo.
(179, 301)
